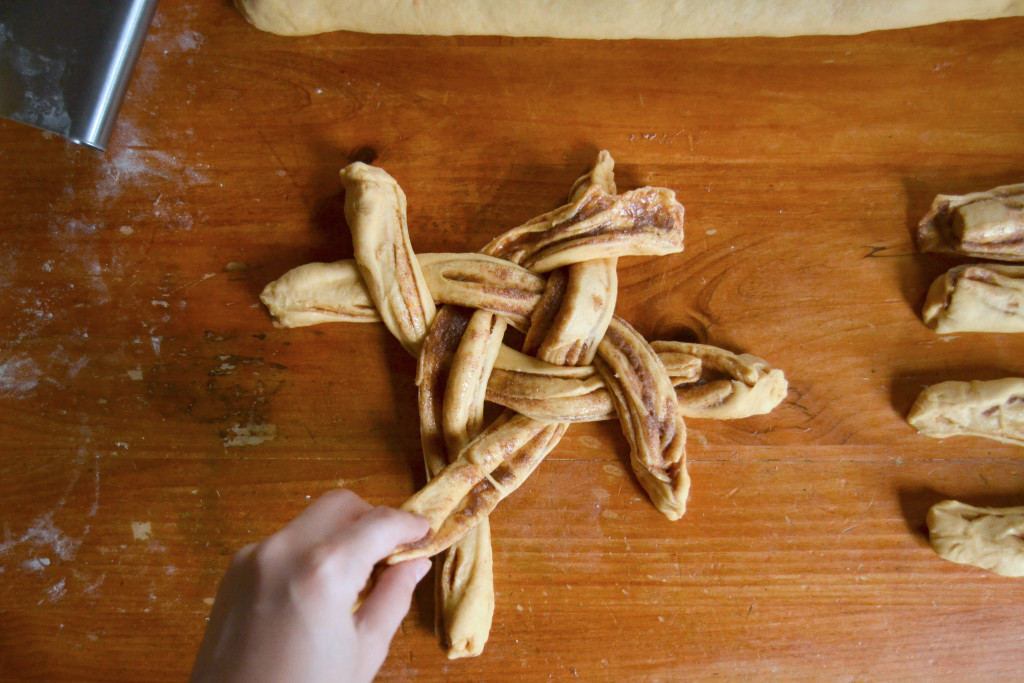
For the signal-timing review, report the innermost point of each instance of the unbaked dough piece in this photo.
(647, 221)
(375, 211)
(454, 365)
(648, 411)
(989, 538)
(731, 386)
(983, 297)
(488, 469)
(584, 294)
(993, 409)
(980, 224)
(315, 293)
(609, 19)
(556, 397)
(481, 281)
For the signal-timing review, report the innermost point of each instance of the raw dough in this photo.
(375, 212)
(980, 224)
(488, 469)
(731, 386)
(315, 293)
(579, 354)
(647, 221)
(992, 409)
(648, 410)
(666, 19)
(989, 538)
(450, 371)
(579, 301)
(984, 297)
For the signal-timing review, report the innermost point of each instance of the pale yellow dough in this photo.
(612, 19)
(989, 538)
(992, 409)
(981, 297)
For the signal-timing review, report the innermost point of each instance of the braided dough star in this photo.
(554, 279)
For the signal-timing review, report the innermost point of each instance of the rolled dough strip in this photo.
(614, 19)
(573, 337)
(375, 213)
(459, 350)
(645, 401)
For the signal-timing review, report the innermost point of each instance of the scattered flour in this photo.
(44, 545)
(188, 41)
(19, 375)
(35, 564)
(43, 534)
(91, 588)
(57, 591)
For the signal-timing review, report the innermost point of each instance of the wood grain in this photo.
(152, 421)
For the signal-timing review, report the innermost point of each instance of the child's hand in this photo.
(284, 611)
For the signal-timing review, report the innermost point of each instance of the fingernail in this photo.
(421, 568)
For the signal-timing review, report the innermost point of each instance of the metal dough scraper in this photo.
(65, 64)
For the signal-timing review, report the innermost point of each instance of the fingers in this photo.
(328, 515)
(375, 535)
(331, 548)
(336, 556)
(387, 604)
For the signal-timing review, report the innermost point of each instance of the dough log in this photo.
(614, 19)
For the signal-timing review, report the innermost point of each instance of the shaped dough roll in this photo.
(983, 297)
(591, 289)
(992, 409)
(731, 386)
(490, 467)
(315, 293)
(980, 224)
(555, 397)
(990, 538)
(456, 359)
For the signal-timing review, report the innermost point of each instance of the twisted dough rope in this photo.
(710, 382)
(629, 377)
(453, 367)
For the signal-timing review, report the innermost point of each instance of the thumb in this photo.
(382, 612)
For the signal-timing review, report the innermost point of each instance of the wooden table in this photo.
(152, 421)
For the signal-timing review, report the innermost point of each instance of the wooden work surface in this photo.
(152, 421)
